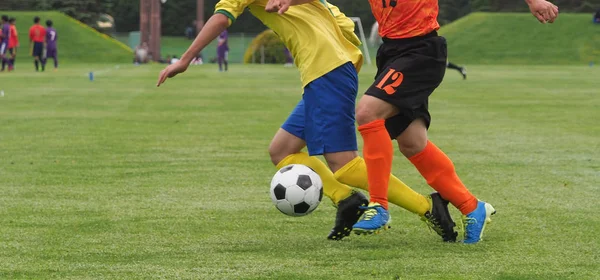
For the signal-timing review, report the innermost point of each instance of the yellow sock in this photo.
(354, 174)
(333, 189)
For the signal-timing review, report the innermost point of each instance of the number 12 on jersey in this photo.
(391, 4)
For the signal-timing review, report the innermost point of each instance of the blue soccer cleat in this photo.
(375, 219)
(474, 222)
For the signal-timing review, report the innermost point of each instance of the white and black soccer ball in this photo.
(296, 190)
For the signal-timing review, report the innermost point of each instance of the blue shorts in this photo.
(325, 117)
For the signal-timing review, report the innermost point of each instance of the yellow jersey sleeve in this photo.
(345, 24)
(232, 8)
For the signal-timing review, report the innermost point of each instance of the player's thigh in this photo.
(290, 138)
(284, 144)
(372, 108)
(330, 111)
(407, 81)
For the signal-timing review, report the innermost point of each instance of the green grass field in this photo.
(116, 179)
(518, 38)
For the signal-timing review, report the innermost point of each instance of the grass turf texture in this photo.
(76, 41)
(116, 179)
(518, 38)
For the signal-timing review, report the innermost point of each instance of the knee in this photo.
(411, 147)
(336, 161)
(364, 115)
(277, 155)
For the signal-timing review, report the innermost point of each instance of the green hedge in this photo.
(273, 49)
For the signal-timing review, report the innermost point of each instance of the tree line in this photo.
(179, 14)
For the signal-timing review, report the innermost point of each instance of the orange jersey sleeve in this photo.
(405, 18)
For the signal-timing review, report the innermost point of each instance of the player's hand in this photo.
(279, 6)
(543, 10)
(171, 71)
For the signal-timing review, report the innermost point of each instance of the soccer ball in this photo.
(296, 190)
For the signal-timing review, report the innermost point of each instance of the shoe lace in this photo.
(433, 223)
(466, 221)
(369, 213)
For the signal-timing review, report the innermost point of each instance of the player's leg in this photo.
(37, 53)
(226, 60)
(13, 58)
(385, 111)
(437, 168)
(44, 57)
(220, 58)
(285, 149)
(461, 69)
(52, 53)
(371, 113)
(410, 130)
(330, 131)
(3, 49)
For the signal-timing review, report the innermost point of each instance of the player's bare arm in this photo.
(214, 26)
(543, 10)
(281, 6)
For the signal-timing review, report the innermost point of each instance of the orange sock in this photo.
(435, 166)
(378, 154)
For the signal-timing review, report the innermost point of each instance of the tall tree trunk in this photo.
(199, 15)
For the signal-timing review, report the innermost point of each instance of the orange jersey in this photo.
(405, 18)
(13, 41)
(37, 33)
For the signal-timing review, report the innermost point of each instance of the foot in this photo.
(438, 218)
(463, 71)
(474, 222)
(348, 212)
(375, 219)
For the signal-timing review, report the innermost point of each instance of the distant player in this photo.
(4, 41)
(328, 58)
(37, 37)
(51, 45)
(461, 69)
(13, 44)
(223, 50)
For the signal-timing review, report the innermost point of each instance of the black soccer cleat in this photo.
(438, 218)
(348, 212)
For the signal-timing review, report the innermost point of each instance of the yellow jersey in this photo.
(318, 35)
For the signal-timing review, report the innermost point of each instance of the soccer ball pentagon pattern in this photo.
(296, 190)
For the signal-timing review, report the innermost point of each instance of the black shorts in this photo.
(38, 49)
(408, 71)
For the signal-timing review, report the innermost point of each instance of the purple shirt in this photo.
(51, 38)
(223, 38)
(5, 33)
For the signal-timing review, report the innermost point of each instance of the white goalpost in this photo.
(363, 38)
